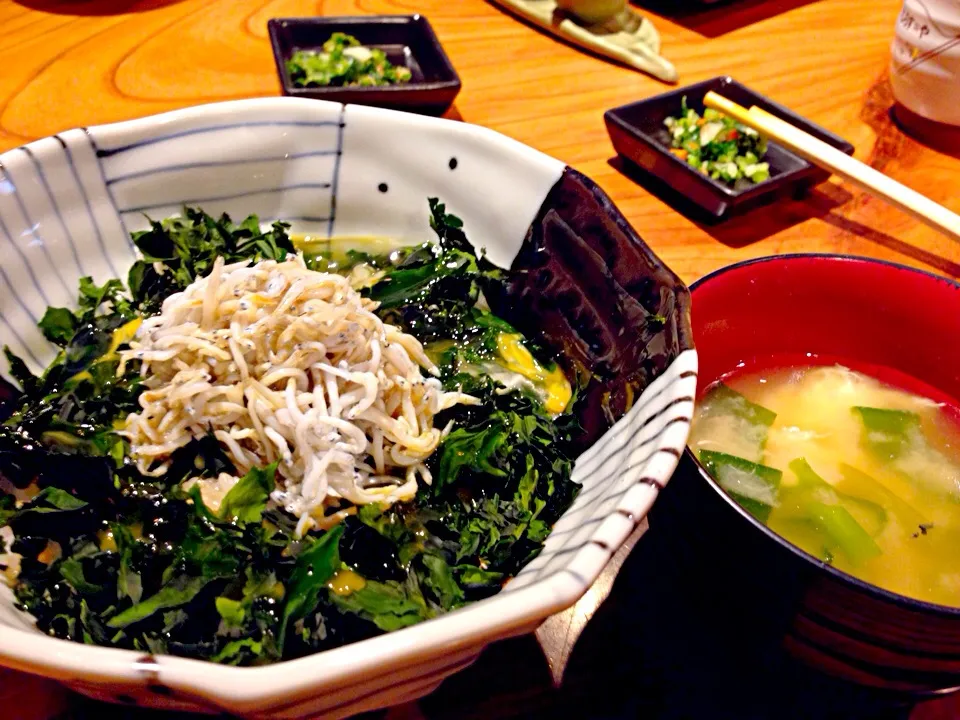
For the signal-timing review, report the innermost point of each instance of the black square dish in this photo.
(407, 40)
(639, 135)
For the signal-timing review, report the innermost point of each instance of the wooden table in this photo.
(77, 63)
(71, 63)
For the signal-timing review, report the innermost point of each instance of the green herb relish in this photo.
(718, 146)
(343, 61)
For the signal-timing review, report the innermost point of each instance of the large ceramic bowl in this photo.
(67, 204)
(890, 321)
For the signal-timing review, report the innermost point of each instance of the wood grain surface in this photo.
(76, 63)
(65, 64)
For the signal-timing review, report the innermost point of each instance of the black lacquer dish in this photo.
(408, 41)
(639, 135)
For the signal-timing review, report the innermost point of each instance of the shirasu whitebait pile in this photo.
(287, 364)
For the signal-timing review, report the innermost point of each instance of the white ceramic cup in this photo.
(925, 59)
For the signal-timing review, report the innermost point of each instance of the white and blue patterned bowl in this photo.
(67, 205)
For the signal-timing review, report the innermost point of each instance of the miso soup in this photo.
(859, 474)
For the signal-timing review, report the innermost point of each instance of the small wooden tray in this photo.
(628, 37)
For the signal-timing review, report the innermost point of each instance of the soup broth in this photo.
(857, 473)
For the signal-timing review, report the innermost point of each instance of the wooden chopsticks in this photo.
(820, 153)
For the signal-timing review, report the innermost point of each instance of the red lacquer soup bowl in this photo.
(895, 323)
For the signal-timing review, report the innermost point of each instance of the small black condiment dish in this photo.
(407, 40)
(639, 135)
